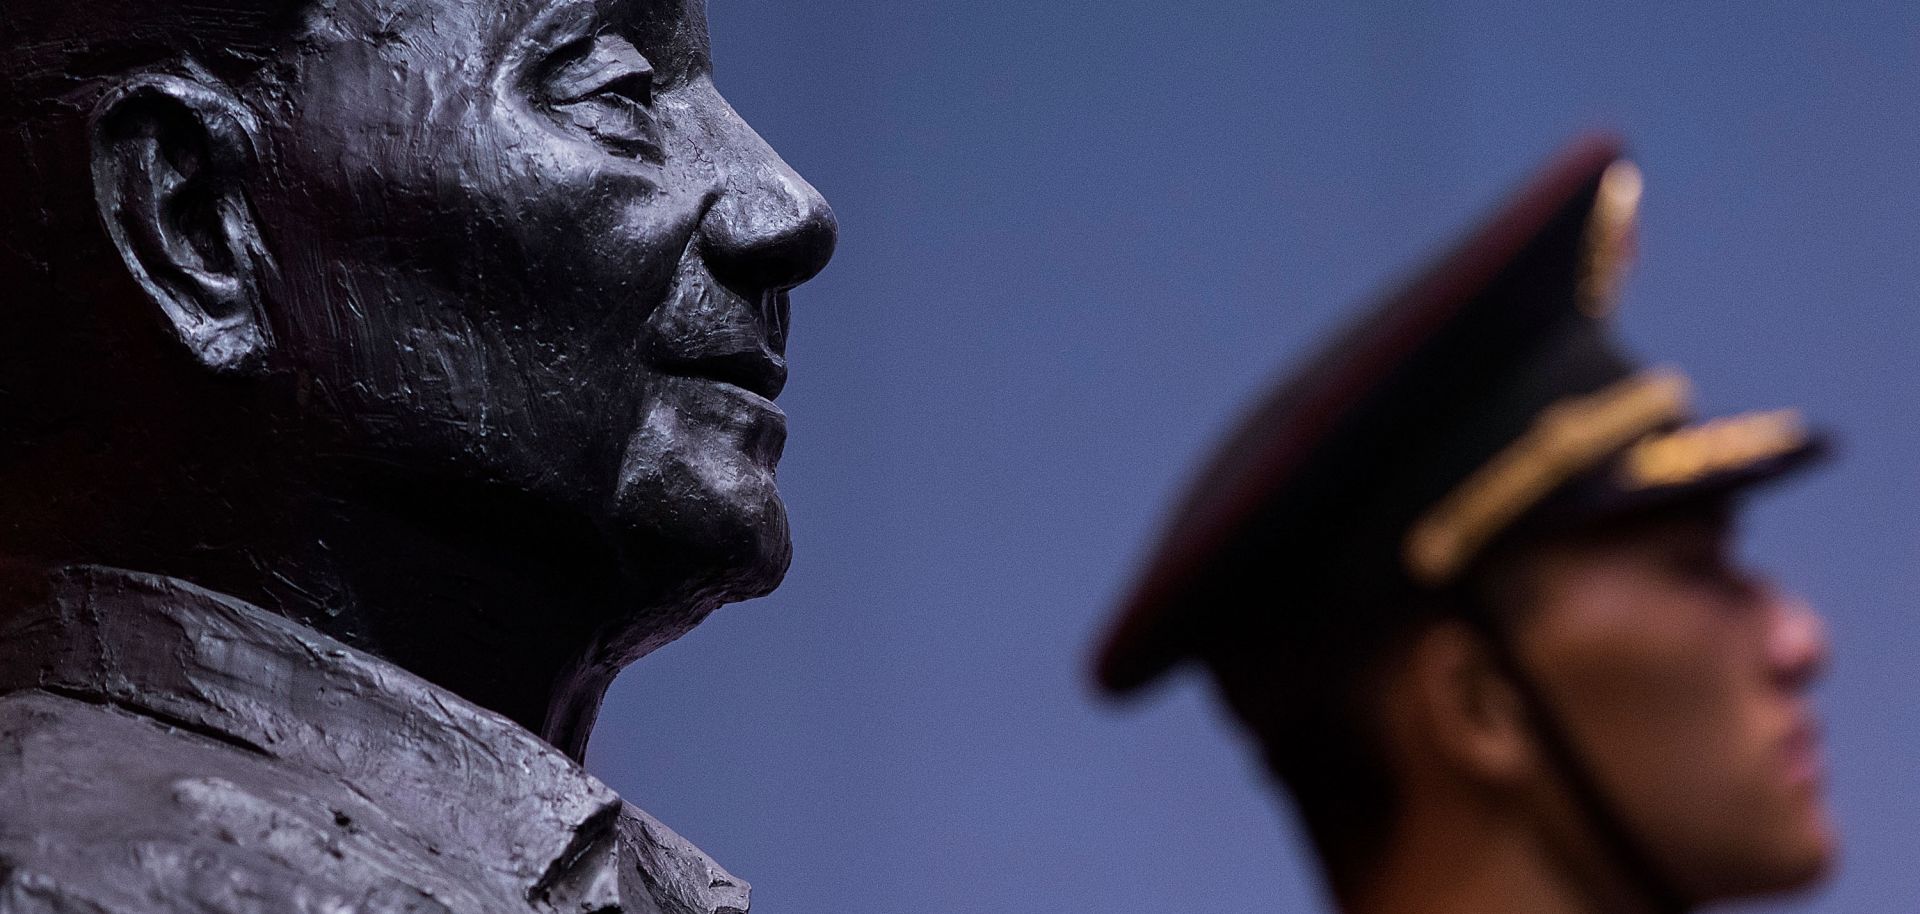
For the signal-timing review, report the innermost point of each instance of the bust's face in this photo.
(525, 246)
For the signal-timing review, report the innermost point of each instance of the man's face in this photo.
(1682, 679)
(525, 246)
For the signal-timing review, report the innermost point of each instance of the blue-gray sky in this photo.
(1076, 237)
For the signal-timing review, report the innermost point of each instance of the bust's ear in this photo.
(170, 158)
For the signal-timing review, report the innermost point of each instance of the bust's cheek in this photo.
(601, 240)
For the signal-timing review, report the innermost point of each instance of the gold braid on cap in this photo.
(1567, 438)
(1694, 453)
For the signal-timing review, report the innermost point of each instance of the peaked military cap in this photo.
(1483, 402)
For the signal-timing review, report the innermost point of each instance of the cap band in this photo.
(1567, 438)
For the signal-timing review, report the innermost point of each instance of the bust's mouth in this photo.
(755, 370)
(708, 331)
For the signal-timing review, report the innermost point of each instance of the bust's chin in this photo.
(696, 502)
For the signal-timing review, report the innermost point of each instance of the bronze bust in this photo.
(380, 378)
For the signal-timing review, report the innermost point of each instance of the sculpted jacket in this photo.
(164, 748)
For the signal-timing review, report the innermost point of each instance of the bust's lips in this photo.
(702, 426)
(708, 331)
(755, 370)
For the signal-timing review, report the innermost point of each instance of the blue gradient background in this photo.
(1077, 236)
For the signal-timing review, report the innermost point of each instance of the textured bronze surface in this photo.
(380, 378)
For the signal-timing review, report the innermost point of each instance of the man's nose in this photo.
(769, 230)
(1797, 646)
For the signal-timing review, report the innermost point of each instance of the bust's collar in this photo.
(475, 784)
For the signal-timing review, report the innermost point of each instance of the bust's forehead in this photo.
(491, 24)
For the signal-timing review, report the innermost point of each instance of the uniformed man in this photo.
(1468, 579)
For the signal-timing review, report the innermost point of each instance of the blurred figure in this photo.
(1468, 578)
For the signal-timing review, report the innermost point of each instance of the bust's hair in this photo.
(68, 312)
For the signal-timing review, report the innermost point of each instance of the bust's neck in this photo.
(504, 615)
(513, 612)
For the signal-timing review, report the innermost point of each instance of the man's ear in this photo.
(170, 158)
(1467, 711)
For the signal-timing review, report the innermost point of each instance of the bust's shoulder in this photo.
(89, 769)
(104, 811)
(165, 748)
(682, 878)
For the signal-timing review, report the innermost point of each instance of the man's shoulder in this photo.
(103, 810)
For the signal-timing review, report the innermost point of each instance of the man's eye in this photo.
(604, 87)
(1697, 560)
(1712, 570)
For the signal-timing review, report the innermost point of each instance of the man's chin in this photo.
(1815, 857)
(1797, 857)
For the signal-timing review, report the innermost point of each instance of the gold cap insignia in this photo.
(1610, 235)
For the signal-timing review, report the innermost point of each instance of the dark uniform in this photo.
(269, 769)
(1484, 404)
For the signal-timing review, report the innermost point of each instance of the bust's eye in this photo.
(604, 87)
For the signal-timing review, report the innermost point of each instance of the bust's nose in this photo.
(769, 230)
